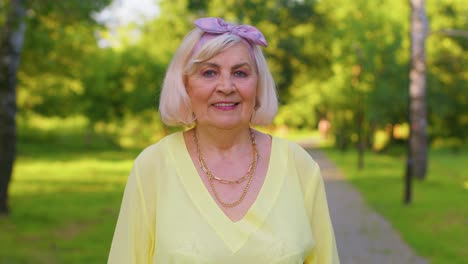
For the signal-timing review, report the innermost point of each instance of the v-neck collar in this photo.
(234, 234)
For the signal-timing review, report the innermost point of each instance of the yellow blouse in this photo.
(168, 215)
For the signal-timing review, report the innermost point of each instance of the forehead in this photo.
(233, 54)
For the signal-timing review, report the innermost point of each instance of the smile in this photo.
(225, 106)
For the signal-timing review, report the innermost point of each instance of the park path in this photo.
(362, 235)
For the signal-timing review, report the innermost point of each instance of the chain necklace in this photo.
(211, 178)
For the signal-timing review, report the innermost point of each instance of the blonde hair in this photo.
(175, 107)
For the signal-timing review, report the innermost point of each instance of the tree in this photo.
(40, 14)
(368, 62)
(447, 57)
(417, 152)
(11, 42)
(60, 37)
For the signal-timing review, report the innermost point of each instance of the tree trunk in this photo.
(407, 194)
(11, 42)
(361, 145)
(341, 132)
(357, 72)
(417, 106)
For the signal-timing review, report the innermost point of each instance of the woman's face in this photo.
(223, 89)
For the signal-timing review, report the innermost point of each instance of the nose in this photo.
(225, 84)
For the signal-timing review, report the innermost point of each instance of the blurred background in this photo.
(87, 90)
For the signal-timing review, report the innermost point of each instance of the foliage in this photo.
(344, 61)
(59, 34)
(448, 75)
(369, 68)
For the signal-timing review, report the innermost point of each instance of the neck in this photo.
(223, 140)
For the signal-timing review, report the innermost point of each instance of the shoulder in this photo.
(156, 160)
(282, 149)
(300, 162)
(159, 151)
(297, 153)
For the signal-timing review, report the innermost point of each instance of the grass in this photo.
(435, 223)
(65, 200)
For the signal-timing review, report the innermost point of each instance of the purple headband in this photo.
(214, 27)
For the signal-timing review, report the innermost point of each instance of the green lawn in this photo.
(435, 224)
(65, 200)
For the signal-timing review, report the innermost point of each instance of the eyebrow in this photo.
(236, 66)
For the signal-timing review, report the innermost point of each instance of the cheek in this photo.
(193, 90)
(199, 99)
(198, 87)
(249, 90)
(252, 94)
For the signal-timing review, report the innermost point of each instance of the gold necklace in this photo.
(211, 178)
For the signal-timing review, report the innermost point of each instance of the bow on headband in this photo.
(218, 26)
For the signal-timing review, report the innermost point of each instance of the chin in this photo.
(230, 124)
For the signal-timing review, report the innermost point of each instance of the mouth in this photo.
(225, 105)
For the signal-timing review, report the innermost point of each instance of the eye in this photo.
(240, 74)
(209, 73)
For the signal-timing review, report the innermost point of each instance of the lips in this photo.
(225, 105)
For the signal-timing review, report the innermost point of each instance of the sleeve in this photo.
(325, 250)
(133, 240)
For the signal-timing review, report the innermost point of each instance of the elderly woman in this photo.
(221, 191)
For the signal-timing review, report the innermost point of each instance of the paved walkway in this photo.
(362, 235)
